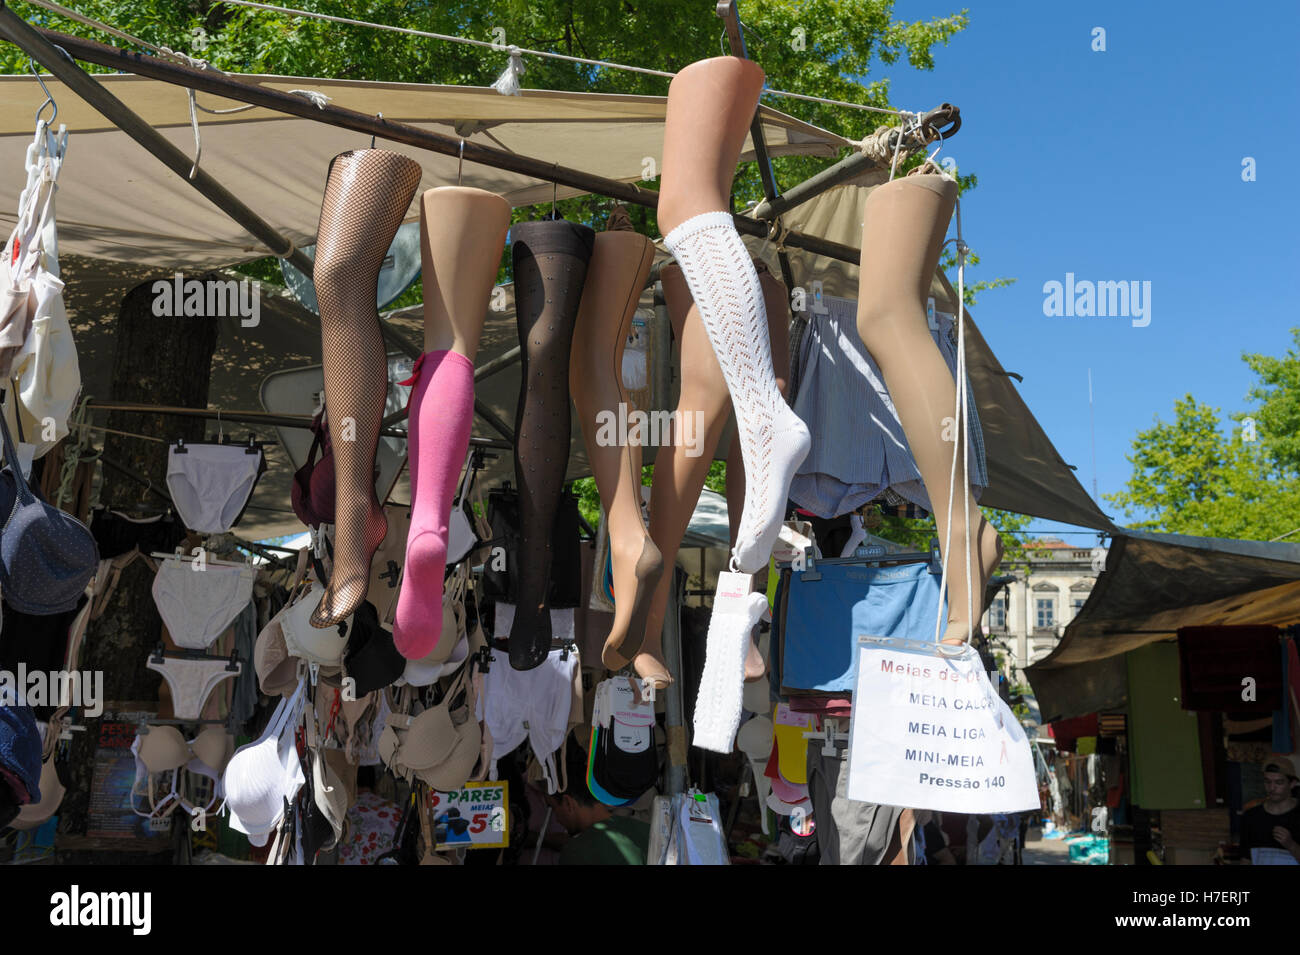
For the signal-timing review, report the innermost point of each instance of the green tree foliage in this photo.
(1189, 478)
(822, 48)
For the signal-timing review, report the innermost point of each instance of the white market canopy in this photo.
(117, 202)
(124, 217)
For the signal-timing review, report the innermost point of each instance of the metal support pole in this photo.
(815, 185)
(674, 699)
(218, 84)
(500, 363)
(500, 427)
(726, 10)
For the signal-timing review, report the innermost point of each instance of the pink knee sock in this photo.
(440, 415)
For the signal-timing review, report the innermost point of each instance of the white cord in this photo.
(541, 53)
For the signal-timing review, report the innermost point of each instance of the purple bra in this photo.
(312, 493)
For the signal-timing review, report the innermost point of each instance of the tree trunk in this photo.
(160, 361)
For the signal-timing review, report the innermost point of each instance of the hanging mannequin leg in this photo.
(366, 197)
(710, 105)
(550, 259)
(617, 273)
(679, 476)
(904, 224)
(462, 235)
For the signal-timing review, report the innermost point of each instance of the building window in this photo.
(998, 613)
(1077, 603)
(1045, 612)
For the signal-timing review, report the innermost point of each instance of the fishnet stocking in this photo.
(366, 196)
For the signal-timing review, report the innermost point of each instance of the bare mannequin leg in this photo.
(710, 105)
(366, 196)
(904, 224)
(615, 277)
(461, 254)
(679, 477)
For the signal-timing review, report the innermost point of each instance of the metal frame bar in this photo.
(730, 16)
(36, 43)
(256, 417)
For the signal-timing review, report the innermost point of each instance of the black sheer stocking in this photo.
(550, 262)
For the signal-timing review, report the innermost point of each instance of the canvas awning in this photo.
(123, 217)
(1154, 584)
(117, 202)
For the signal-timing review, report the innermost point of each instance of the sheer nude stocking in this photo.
(903, 228)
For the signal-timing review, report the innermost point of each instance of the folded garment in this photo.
(856, 457)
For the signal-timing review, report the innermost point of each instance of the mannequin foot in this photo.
(650, 667)
(755, 665)
(621, 645)
(350, 579)
(530, 637)
(768, 473)
(417, 624)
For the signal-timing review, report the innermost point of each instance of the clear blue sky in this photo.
(1121, 165)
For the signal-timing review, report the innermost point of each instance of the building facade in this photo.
(1026, 619)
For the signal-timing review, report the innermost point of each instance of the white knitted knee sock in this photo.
(773, 441)
(722, 684)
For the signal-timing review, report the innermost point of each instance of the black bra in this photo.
(371, 660)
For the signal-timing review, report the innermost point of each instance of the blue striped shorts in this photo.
(858, 449)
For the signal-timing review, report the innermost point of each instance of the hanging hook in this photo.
(372, 136)
(460, 166)
(221, 431)
(49, 97)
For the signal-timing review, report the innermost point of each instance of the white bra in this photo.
(261, 776)
(320, 645)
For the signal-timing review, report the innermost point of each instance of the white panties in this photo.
(192, 681)
(211, 483)
(198, 605)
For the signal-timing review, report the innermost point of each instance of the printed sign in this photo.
(928, 731)
(474, 817)
(110, 814)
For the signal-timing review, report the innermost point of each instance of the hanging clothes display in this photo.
(850, 465)
(37, 350)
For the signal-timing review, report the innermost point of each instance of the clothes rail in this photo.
(258, 417)
(14, 28)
